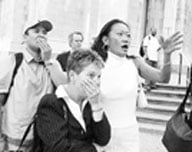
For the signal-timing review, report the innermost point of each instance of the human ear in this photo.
(24, 36)
(72, 76)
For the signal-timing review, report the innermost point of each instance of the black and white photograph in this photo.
(95, 76)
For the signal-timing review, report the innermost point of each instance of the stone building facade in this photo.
(68, 15)
(88, 16)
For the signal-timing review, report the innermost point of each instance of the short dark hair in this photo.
(98, 44)
(70, 37)
(81, 58)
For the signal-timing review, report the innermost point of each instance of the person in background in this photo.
(151, 47)
(119, 81)
(75, 42)
(73, 119)
(160, 52)
(34, 79)
(141, 51)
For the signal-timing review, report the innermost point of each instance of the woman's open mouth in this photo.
(125, 47)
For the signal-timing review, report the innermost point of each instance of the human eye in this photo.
(119, 33)
(36, 30)
(91, 76)
(99, 76)
(44, 32)
(128, 35)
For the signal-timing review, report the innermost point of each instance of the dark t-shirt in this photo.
(62, 58)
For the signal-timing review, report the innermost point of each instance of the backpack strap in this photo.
(26, 133)
(33, 122)
(18, 59)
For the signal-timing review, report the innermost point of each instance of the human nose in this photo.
(41, 35)
(79, 42)
(97, 81)
(125, 39)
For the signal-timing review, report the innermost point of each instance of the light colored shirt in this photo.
(152, 45)
(31, 82)
(72, 105)
(119, 84)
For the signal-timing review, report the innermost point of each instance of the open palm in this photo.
(173, 43)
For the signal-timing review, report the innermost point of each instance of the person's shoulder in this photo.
(138, 60)
(62, 59)
(48, 99)
(51, 103)
(146, 39)
(131, 57)
(6, 57)
(156, 39)
(9, 60)
(63, 54)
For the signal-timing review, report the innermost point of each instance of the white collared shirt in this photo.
(31, 83)
(73, 106)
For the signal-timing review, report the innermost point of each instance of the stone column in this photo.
(112, 9)
(187, 23)
(6, 24)
(37, 9)
(169, 17)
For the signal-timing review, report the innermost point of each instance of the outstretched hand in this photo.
(173, 43)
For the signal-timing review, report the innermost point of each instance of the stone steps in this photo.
(166, 86)
(162, 104)
(164, 100)
(168, 93)
(151, 128)
(153, 118)
(162, 109)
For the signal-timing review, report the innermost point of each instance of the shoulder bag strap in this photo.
(18, 59)
(26, 133)
(182, 105)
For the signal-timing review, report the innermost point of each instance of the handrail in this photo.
(190, 74)
(180, 67)
(184, 58)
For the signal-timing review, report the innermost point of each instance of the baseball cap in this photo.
(32, 24)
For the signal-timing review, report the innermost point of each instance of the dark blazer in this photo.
(59, 131)
(62, 58)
